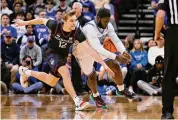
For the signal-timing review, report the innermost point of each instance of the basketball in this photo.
(108, 45)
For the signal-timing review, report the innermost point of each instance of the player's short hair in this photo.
(103, 12)
(69, 14)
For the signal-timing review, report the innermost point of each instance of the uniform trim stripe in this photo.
(175, 12)
(171, 11)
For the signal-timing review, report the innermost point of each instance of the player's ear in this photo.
(98, 18)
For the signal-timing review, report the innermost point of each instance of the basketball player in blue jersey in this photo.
(62, 37)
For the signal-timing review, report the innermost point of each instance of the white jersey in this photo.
(96, 36)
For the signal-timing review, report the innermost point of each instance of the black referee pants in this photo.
(169, 87)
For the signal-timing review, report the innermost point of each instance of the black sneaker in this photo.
(131, 96)
(167, 115)
(98, 101)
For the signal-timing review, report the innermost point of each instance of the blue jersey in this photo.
(41, 31)
(11, 29)
(51, 14)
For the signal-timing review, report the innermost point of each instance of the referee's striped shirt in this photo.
(171, 8)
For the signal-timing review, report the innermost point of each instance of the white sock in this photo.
(96, 94)
(120, 87)
(76, 100)
(131, 89)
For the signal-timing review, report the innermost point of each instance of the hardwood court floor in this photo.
(61, 107)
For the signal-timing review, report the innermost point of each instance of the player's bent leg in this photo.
(92, 84)
(64, 72)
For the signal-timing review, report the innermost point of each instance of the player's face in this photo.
(71, 22)
(104, 22)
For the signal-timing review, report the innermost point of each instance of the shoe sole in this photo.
(87, 105)
(135, 99)
(105, 107)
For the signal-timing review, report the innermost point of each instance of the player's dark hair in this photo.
(103, 12)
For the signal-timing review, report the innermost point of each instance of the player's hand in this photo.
(157, 36)
(109, 71)
(19, 22)
(122, 59)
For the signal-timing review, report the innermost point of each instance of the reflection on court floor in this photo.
(62, 107)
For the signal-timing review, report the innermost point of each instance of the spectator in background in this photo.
(62, 6)
(59, 15)
(32, 50)
(21, 30)
(128, 42)
(87, 14)
(5, 77)
(138, 64)
(36, 7)
(29, 16)
(31, 84)
(150, 44)
(17, 9)
(50, 12)
(4, 8)
(10, 54)
(112, 19)
(91, 5)
(5, 26)
(99, 4)
(155, 51)
(41, 30)
(23, 39)
(155, 77)
(23, 4)
(81, 20)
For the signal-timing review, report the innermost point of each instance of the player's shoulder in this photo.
(90, 24)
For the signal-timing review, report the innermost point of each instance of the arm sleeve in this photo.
(91, 35)
(51, 24)
(117, 42)
(39, 57)
(163, 5)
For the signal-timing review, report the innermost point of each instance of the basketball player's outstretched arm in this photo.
(31, 22)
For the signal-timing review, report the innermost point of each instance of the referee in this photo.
(169, 87)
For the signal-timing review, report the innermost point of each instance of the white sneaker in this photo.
(22, 71)
(23, 76)
(82, 105)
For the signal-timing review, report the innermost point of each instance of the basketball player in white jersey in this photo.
(96, 31)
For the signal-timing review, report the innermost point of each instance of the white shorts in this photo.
(84, 59)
